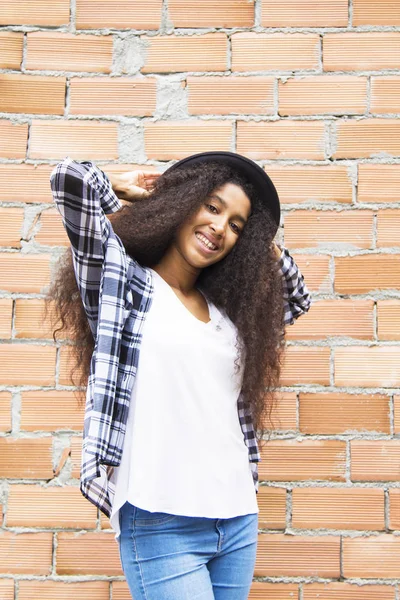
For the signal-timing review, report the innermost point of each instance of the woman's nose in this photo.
(218, 226)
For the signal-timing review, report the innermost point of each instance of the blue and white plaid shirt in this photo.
(116, 292)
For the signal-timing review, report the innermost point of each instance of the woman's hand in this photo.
(133, 185)
(277, 250)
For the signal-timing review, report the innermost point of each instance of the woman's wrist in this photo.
(117, 184)
(277, 250)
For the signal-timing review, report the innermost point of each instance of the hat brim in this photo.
(247, 168)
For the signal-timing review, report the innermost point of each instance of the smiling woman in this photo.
(179, 336)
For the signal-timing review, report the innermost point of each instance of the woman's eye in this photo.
(211, 207)
(235, 228)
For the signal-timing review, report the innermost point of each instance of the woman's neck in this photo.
(177, 272)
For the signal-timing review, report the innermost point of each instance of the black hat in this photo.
(246, 168)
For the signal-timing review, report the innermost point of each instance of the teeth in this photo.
(206, 242)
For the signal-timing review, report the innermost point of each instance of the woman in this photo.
(179, 332)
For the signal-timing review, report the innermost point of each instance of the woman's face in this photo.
(211, 233)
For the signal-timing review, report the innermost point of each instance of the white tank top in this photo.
(184, 451)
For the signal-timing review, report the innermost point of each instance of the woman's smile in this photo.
(205, 244)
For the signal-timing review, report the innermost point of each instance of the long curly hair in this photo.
(245, 283)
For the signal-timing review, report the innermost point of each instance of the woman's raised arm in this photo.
(83, 195)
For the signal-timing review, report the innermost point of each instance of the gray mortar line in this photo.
(229, 55)
(289, 509)
(386, 509)
(67, 98)
(24, 54)
(257, 14)
(320, 67)
(391, 414)
(72, 17)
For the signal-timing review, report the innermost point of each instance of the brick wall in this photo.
(311, 90)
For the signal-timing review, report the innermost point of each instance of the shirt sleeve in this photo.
(83, 196)
(296, 297)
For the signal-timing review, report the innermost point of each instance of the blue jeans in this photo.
(171, 557)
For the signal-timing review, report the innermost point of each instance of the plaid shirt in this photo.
(116, 292)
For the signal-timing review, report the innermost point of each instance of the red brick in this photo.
(396, 403)
(11, 44)
(5, 317)
(336, 590)
(281, 139)
(13, 139)
(369, 12)
(329, 229)
(174, 53)
(87, 553)
(361, 274)
(120, 591)
(368, 137)
(315, 270)
(39, 364)
(304, 13)
(142, 14)
(304, 365)
(7, 589)
(332, 318)
(34, 94)
(165, 140)
(59, 51)
(322, 94)
(117, 96)
(227, 95)
(388, 227)
(272, 507)
(303, 183)
(281, 555)
(55, 506)
(76, 452)
(378, 183)
(375, 460)
(338, 412)
(283, 415)
(25, 183)
(371, 557)
(67, 374)
(338, 508)
(51, 411)
(63, 590)
(293, 460)
(39, 12)
(11, 220)
(25, 553)
(279, 51)
(261, 590)
(5, 412)
(367, 366)
(225, 13)
(394, 502)
(361, 51)
(25, 273)
(385, 94)
(28, 458)
(105, 522)
(75, 138)
(29, 319)
(51, 232)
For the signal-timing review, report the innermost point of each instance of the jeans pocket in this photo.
(144, 517)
